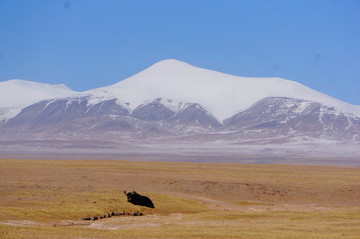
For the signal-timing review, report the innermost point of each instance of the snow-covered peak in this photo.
(170, 63)
(222, 94)
(17, 94)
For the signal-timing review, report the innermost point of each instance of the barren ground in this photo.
(48, 198)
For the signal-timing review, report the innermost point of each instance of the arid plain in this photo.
(48, 198)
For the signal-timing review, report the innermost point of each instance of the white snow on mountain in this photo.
(175, 83)
(222, 94)
(17, 94)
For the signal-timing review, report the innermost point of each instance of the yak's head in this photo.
(130, 195)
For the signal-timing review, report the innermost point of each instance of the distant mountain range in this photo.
(173, 101)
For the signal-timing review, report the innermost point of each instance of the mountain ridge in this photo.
(221, 93)
(174, 101)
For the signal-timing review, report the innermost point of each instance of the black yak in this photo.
(138, 199)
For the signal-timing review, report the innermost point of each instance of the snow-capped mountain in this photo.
(222, 94)
(17, 94)
(173, 100)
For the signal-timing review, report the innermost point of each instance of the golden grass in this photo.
(47, 198)
(214, 225)
(46, 205)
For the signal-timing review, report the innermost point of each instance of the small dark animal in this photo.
(138, 199)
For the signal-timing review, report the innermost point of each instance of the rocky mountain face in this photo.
(69, 117)
(271, 118)
(276, 116)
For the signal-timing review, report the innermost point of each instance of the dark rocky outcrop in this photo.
(154, 111)
(195, 114)
(112, 214)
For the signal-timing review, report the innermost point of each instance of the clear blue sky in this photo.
(87, 44)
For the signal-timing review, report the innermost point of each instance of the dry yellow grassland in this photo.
(48, 198)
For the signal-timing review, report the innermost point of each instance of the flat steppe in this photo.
(48, 198)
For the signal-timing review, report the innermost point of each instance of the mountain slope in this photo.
(17, 94)
(273, 119)
(221, 94)
(288, 117)
(79, 116)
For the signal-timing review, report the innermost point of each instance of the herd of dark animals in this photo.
(132, 197)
